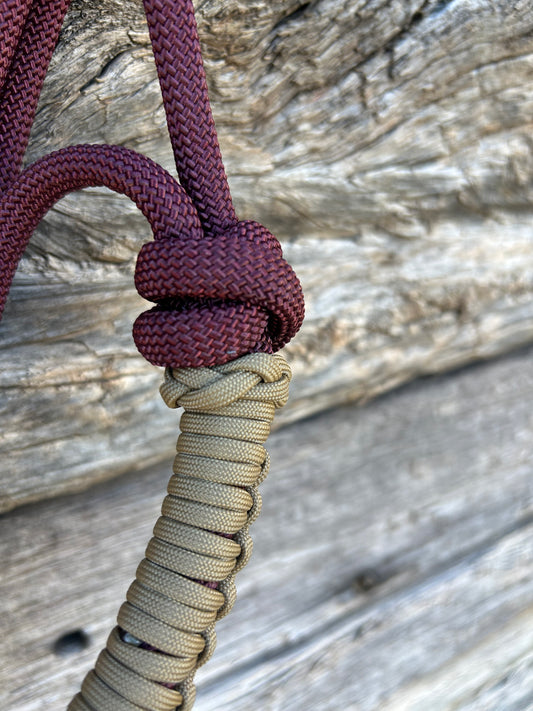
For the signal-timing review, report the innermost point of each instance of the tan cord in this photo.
(187, 579)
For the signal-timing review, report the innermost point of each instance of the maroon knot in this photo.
(217, 297)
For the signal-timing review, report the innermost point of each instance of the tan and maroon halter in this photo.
(225, 301)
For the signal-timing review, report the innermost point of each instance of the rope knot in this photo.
(217, 297)
(255, 377)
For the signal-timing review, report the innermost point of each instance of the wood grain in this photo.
(392, 566)
(388, 144)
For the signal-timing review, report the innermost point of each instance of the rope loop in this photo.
(205, 285)
(247, 299)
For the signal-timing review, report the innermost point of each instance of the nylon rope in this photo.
(219, 284)
(223, 294)
(186, 582)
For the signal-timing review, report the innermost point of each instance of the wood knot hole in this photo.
(367, 580)
(71, 643)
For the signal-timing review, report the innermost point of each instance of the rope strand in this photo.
(23, 82)
(190, 121)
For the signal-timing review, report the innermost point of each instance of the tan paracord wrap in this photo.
(187, 580)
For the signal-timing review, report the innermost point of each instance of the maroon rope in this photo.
(221, 286)
(162, 200)
(25, 77)
(13, 16)
(190, 122)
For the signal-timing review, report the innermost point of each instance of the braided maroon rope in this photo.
(222, 287)
(25, 76)
(189, 118)
(13, 16)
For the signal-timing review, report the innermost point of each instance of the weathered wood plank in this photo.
(387, 143)
(393, 554)
(360, 657)
(496, 674)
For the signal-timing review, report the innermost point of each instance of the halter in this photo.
(225, 302)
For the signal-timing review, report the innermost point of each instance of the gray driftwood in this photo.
(389, 146)
(392, 568)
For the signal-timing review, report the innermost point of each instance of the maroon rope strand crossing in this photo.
(221, 287)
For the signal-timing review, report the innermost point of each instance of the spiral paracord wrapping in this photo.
(186, 581)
